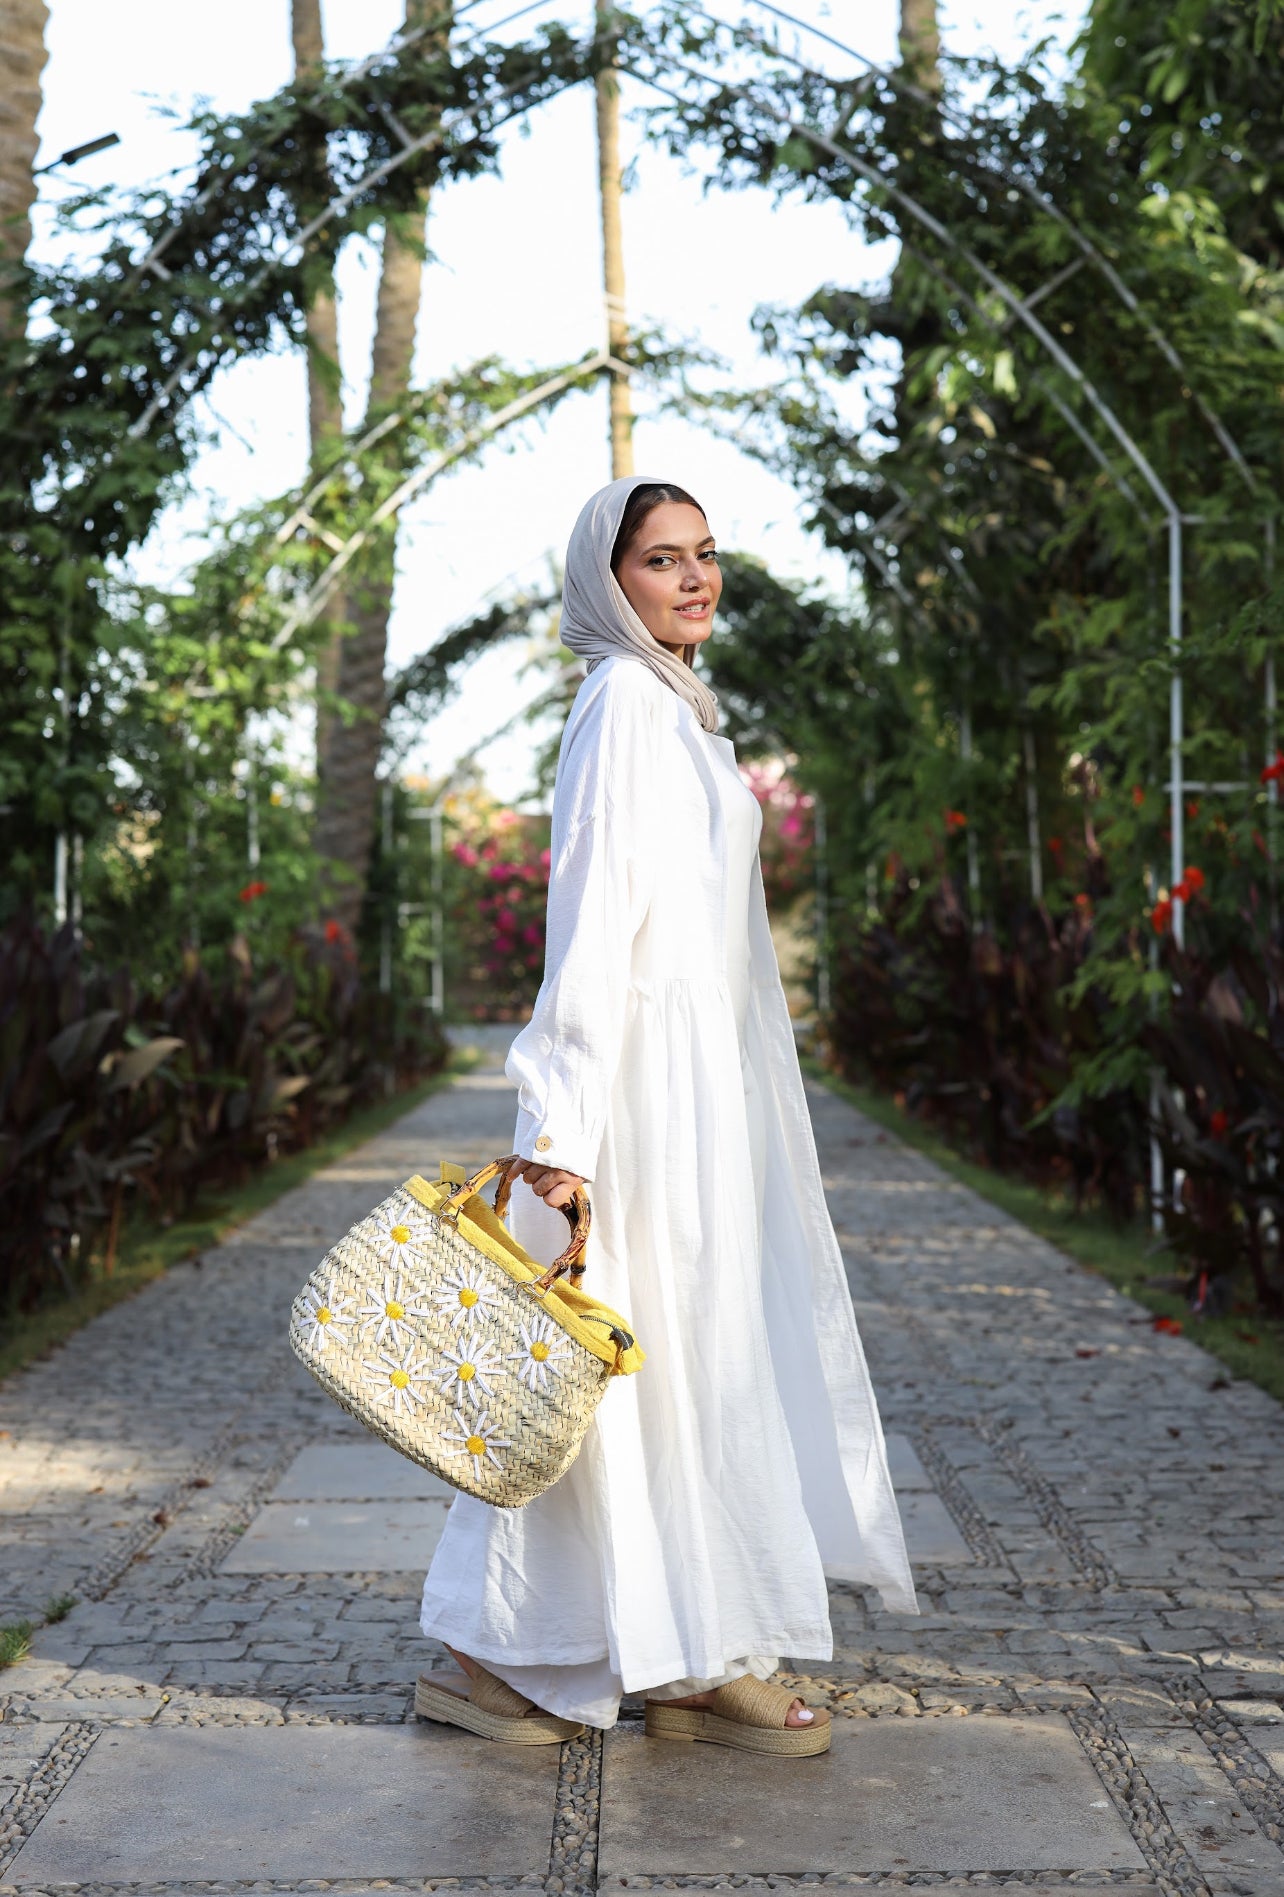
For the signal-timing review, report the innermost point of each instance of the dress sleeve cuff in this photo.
(546, 1145)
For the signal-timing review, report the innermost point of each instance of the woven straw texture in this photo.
(440, 1351)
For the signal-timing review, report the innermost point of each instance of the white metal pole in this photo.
(61, 857)
(438, 998)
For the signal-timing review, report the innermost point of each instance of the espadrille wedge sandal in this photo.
(747, 1713)
(489, 1706)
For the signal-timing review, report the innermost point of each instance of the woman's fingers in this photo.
(550, 1183)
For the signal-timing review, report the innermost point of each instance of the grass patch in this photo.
(147, 1249)
(57, 1608)
(15, 1642)
(1250, 1346)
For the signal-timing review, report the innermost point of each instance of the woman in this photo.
(686, 1549)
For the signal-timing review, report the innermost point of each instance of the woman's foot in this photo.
(489, 1706)
(799, 1714)
(748, 1713)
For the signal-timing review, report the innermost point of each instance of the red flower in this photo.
(1194, 879)
(1056, 845)
(1138, 796)
(1161, 917)
(955, 820)
(1083, 903)
(335, 931)
(1192, 808)
(1181, 891)
(1170, 1326)
(1274, 773)
(1218, 1122)
(253, 891)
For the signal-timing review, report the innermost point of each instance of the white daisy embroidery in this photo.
(392, 1381)
(477, 1438)
(397, 1234)
(545, 1349)
(321, 1316)
(392, 1312)
(465, 1291)
(469, 1368)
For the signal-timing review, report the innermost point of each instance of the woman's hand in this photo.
(550, 1183)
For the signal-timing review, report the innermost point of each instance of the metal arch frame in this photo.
(1091, 252)
(411, 148)
(1020, 309)
(346, 551)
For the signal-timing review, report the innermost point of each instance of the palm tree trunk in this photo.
(22, 60)
(347, 790)
(325, 401)
(920, 42)
(617, 328)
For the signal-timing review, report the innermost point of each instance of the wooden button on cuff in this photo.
(543, 1143)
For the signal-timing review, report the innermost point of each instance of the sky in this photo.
(515, 271)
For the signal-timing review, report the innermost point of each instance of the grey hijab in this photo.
(597, 620)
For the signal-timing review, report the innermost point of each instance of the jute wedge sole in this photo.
(748, 1714)
(475, 1705)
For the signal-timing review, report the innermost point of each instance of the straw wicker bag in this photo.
(432, 1326)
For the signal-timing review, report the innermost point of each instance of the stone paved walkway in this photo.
(1091, 1697)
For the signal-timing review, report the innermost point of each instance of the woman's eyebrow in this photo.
(667, 546)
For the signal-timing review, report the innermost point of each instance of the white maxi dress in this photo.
(690, 1540)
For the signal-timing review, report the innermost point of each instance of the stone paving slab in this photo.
(281, 1802)
(361, 1471)
(903, 1465)
(931, 1537)
(922, 1795)
(339, 1538)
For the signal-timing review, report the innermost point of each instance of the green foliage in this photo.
(108, 1094)
(15, 1641)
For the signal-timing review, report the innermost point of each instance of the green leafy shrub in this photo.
(109, 1095)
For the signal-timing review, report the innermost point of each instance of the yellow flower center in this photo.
(400, 1234)
(323, 1315)
(475, 1446)
(468, 1298)
(540, 1352)
(398, 1379)
(394, 1309)
(467, 1371)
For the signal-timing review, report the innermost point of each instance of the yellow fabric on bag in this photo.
(580, 1315)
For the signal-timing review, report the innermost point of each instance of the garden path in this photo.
(1092, 1696)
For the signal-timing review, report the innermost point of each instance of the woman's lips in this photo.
(698, 609)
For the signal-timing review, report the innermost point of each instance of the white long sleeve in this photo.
(603, 854)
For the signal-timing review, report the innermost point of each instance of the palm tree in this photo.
(349, 760)
(325, 381)
(22, 60)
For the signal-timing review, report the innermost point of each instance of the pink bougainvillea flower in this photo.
(506, 918)
(253, 891)
(465, 854)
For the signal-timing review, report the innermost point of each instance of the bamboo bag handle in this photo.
(576, 1214)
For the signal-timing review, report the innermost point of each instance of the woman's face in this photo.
(669, 574)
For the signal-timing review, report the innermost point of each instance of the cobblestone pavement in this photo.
(1092, 1696)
